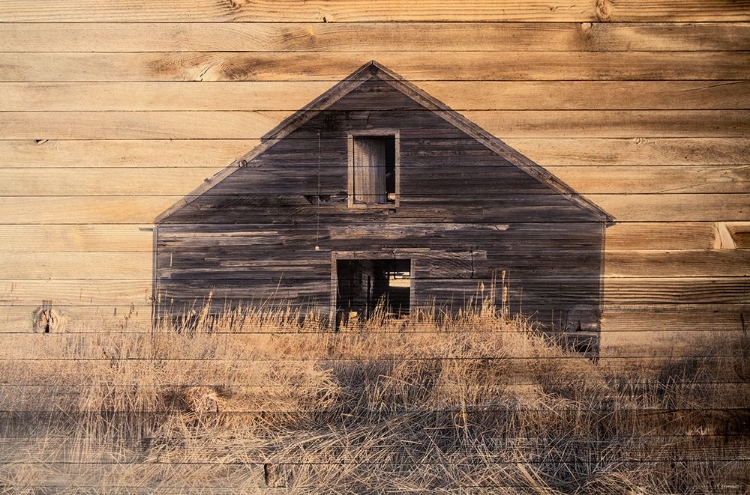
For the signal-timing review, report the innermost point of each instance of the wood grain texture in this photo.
(363, 11)
(124, 265)
(140, 210)
(642, 151)
(170, 181)
(253, 125)
(423, 37)
(460, 96)
(110, 112)
(621, 294)
(334, 66)
(74, 238)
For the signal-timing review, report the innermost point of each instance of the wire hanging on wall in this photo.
(317, 203)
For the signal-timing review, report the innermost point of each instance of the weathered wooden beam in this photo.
(255, 124)
(459, 95)
(297, 67)
(396, 36)
(216, 154)
(363, 11)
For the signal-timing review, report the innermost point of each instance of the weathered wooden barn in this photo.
(377, 192)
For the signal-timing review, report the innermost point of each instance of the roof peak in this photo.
(365, 73)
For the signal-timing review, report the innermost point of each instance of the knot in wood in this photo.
(603, 10)
(47, 320)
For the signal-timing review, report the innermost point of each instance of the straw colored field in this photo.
(261, 399)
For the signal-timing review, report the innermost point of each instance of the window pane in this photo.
(370, 168)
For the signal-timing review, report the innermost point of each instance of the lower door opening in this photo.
(364, 285)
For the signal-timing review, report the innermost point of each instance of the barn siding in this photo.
(445, 176)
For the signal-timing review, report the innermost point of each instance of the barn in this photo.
(376, 192)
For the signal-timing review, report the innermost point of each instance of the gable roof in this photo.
(367, 72)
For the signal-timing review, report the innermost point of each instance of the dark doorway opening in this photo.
(363, 284)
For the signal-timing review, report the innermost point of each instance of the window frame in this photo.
(351, 136)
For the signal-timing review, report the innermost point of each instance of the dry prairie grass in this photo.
(263, 398)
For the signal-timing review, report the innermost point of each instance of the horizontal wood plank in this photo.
(70, 293)
(622, 236)
(216, 154)
(75, 265)
(675, 207)
(182, 180)
(365, 11)
(143, 209)
(664, 180)
(459, 95)
(677, 263)
(379, 36)
(127, 265)
(619, 292)
(76, 238)
(334, 66)
(641, 151)
(248, 125)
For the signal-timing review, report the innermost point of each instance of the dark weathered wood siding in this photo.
(464, 216)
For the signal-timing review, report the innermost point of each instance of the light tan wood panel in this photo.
(45, 153)
(143, 209)
(69, 293)
(625, 236)
(81, 210)
(183, 180)
(77, 265)
(424, 37)
(75, 238)
(640, 151)
(675, 207)
(104, 181)
(367, 11)
(677, 263)
(666, 180)
(245, 125)
(334, 66)
(19, 320)
(291, 96)
(137, 125)
(139, 238)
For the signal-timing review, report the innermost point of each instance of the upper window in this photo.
(373, 168)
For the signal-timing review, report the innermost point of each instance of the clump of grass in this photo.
(433, 401)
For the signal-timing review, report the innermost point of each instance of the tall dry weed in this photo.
(435, 401)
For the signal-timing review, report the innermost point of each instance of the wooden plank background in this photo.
(112, 111)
